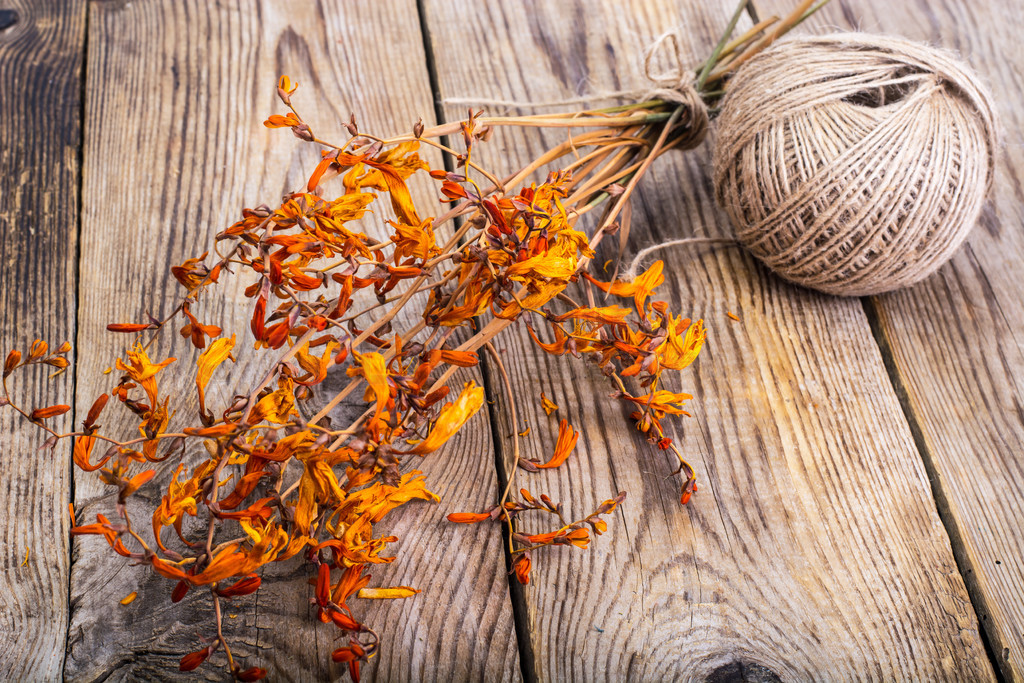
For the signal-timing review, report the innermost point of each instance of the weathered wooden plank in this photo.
(175, 147)
(813, 549)
(953, 338)
(40, 81)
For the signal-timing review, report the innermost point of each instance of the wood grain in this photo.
(175, 147)
(813, 549)
(954, 339)
(40, 81)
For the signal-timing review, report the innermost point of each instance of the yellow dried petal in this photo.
(451, 418)
(387, 593)
(217, 353)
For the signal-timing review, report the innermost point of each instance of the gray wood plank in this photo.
(813, 548)
(954, 338)
(40, 80)
(175, 147)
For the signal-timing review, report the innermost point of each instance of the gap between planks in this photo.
(942, 504)
(516, 594)
(878, 313)
(83, 63)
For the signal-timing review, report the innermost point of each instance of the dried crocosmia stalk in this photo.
(257, 480)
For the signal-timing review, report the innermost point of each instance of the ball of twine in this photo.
(854, 164)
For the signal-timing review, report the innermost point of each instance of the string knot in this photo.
(677, 86)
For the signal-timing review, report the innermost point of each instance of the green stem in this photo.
(716, 53)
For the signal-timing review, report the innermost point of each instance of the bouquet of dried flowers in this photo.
(275, 483)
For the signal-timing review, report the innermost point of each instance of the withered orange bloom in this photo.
(388, 593)
(323, 589)
(567, 437)
(289, 120)
(463, 359)
(94, 412)
(640, 288)
(677, 353)
(141, 369)
(689, 488)
(556, 347)
(316, 367)
(192, 660)
(197, 331)
(351, 581)
(547, 404)
(522, 568)
(193, 273)
(49, 411)
(373, 369)
(285, 84)
(168, 570)
(128, 327)
(277, 406)
(38, 349)
(579, 537)
(208, 361)
(416, 241)
(543, 266)
(214, 431)
(135, 482)
(82, 452)
(662, 402)
(103, 527)
(615, 315)
(181, 499)
(543, 538)
(468, 517)
(12, 361)
(254, 673)
(451, 419)
(343, 654)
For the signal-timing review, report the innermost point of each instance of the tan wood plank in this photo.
(175, 147)
(813, 549)
(40, 80)
(954, 338)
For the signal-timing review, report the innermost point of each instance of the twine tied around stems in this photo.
(677, 86)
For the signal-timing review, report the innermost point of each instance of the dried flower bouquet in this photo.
(272, 483)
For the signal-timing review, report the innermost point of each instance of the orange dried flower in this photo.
(451, 419)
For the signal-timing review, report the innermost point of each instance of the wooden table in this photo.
(861, 498)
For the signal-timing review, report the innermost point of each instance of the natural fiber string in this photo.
(675, 85)
(854, 164)
(630, 273)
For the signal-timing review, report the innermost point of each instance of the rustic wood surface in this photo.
(951, 341)
(813, 545)
(159, 181)
(835, 441)
(40, 137)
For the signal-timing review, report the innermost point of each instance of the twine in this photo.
(677, 86)
(630, 274)
(854, 164)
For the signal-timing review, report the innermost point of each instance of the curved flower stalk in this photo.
(273, 485)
